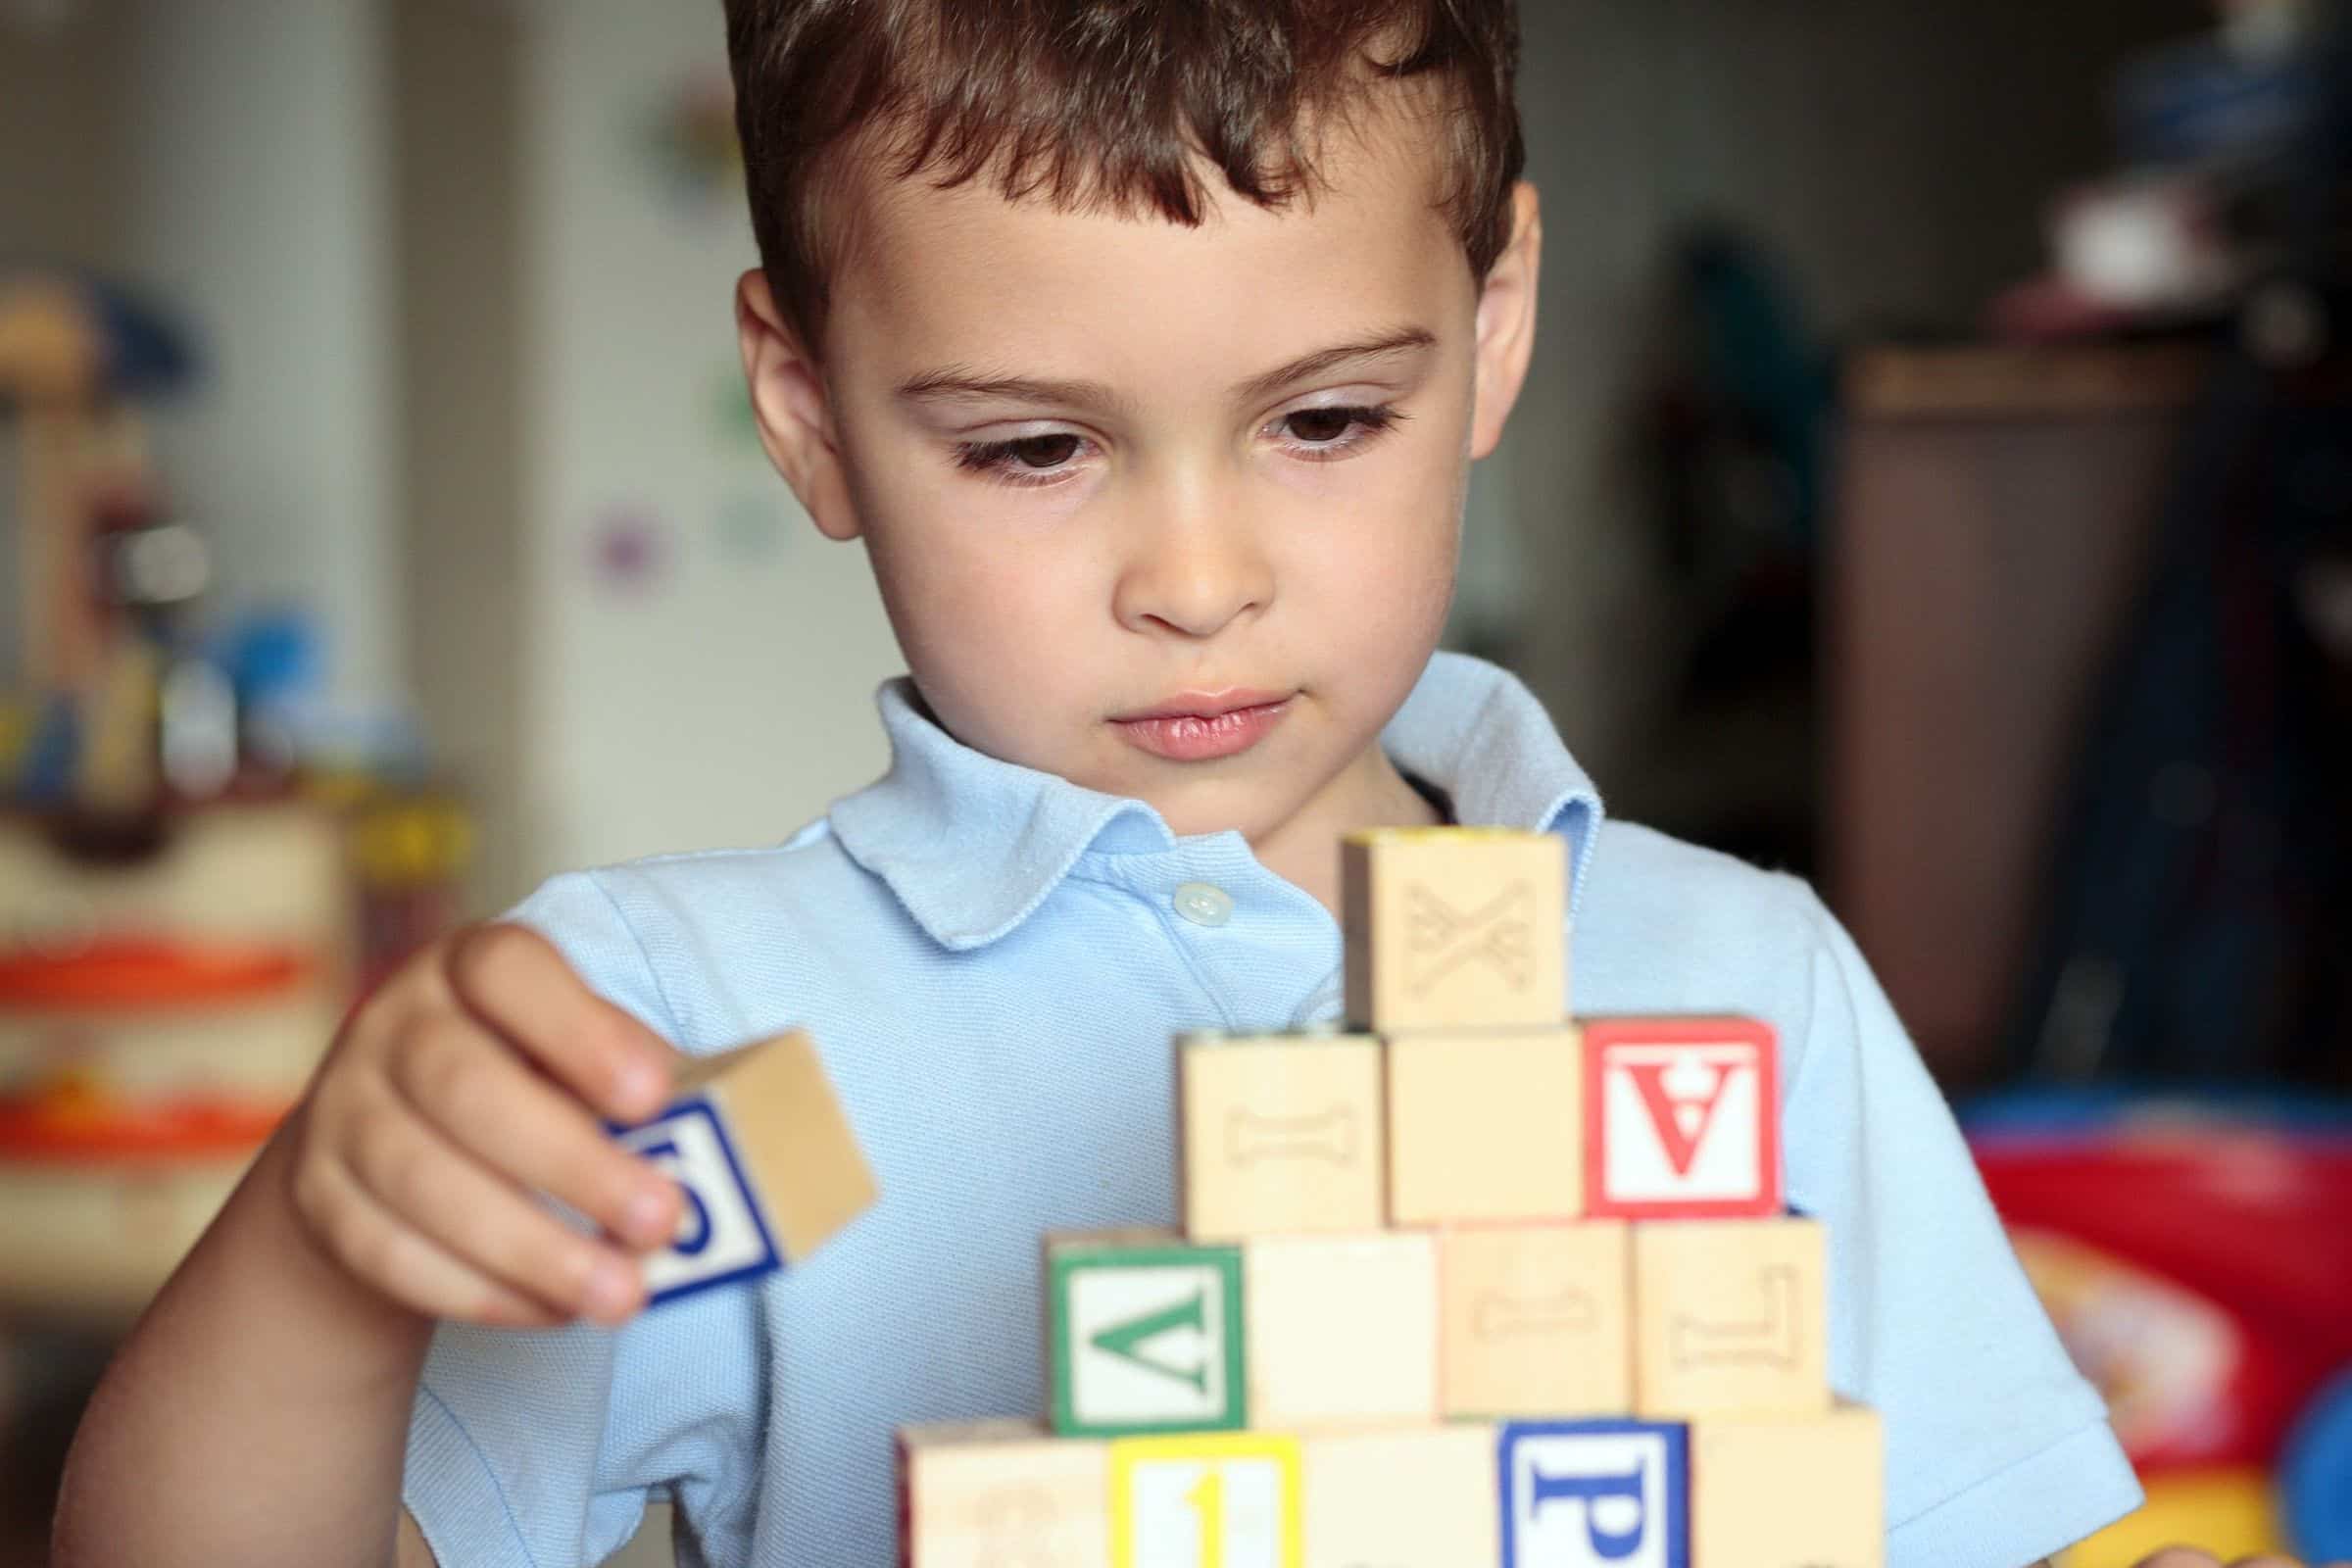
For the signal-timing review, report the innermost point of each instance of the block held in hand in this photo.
(766, 1161)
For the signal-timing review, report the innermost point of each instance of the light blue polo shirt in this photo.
(993, 961)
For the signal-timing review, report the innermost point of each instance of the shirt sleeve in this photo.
(534, 1448)
(1999, 1451)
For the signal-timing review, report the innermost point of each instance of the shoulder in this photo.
(712, 945)
(1646, 887)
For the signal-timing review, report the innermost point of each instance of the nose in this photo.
(1193, 570)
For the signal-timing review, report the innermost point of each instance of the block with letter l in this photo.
(764, 1158)
(1145, 1334)
(1731, 1316)
(1595, 1494)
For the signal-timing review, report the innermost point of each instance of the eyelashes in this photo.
(1007, 462)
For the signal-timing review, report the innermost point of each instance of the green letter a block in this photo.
(1146, 1335)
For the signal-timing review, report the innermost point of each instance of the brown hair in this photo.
(1103, 103)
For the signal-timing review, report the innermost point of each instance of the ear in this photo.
(792, 409)
(1507, 323)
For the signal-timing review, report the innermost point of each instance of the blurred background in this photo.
(1934, 479)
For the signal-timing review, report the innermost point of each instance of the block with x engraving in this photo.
(1681, 1117)
(1730, 1317)
(1486, 1124)
(1282, 1133)
(1453, 928)
(1144, 1334)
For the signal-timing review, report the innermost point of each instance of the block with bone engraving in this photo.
(1454, 928)
(1681, 1117)
(1282, 1133)
(989, 1493)
(1144, 1334)
(1790, 1491)
(1730, 1317)
(1535, 1320)
(1485, 1125)
(1342, 1330)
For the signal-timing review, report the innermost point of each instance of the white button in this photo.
(1203, 903)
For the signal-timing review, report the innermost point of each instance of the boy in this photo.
(1158, 442)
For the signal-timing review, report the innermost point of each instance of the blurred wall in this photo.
(697, 661)
(1896, 154)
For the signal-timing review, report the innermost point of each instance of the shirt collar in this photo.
(972, 845)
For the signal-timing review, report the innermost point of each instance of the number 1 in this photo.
(1209, 1498)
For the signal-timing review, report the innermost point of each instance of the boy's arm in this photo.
(415, 1554)
(257, 1415)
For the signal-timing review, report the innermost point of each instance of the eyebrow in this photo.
(957, 383)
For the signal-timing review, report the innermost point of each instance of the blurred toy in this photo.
(2194, 1256)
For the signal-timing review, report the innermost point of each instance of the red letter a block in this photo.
(1682, 1118)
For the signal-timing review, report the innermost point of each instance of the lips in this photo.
(1204, 705)
(1202, 727)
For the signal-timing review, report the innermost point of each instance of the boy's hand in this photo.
(471, 1080)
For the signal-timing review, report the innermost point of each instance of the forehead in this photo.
(964, 273)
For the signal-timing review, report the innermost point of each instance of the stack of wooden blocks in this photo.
(1470, 1283)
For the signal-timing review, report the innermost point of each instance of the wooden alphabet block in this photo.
(1145, 1334)
(987, 1493)
(1403, 1498)
(768, 1162)
(1230, 1500)
(1535, 1320)
(1731, 1316)
(1454, 928)
(1282, 1134)
(1485, 1125)
(1682, 1118)
(1788, 1492)
(1342, 1330)
(1595, 1494)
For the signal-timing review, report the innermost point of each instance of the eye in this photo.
(1029, 460)
(1327, 432)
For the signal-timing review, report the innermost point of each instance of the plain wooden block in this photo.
(1485, 1125)
(1535, 1320)
(1282, 1134)
(1407, 1497)
(1595, 1494)
(1451, 928)
(1682, 1118)
(765, 1157)
(990, 1492)
(1731, 1316)
(1342, 1330)
(1232, 1500)
(1788, 1492)
(1144, 1334)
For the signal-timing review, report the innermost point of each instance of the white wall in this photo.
(733, 701)
(258, 203)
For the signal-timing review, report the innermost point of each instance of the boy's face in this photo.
(1172, 527)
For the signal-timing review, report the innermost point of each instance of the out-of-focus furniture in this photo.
(157, 1019)
(1996, 510)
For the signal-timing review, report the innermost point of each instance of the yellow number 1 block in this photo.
(1216, 1501)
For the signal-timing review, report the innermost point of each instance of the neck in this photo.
(1305, 850)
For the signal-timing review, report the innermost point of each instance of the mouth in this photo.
(1203, 726)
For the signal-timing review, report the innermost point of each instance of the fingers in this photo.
(376, 1248)
(485, 1101)
(505, 1244)
(2180, 1557)
(515, 982)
